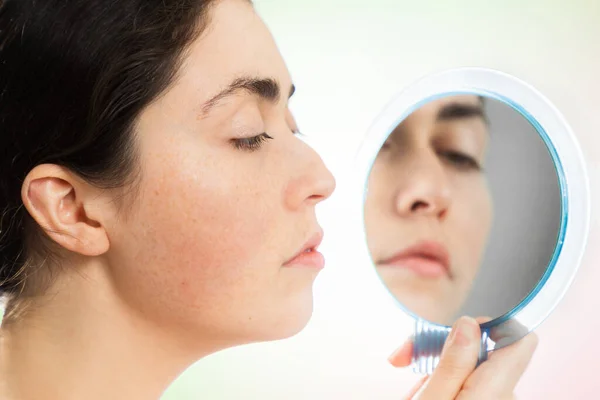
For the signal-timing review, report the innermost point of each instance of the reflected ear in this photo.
(63, 206)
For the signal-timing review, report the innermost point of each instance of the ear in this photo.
(64, 207)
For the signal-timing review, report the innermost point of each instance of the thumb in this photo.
(457, 361)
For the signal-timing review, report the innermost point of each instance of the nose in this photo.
(312, 184)
(423, 189)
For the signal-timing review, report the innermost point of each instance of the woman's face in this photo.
(428, 210)
(222, 206)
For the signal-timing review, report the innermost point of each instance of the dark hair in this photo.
(74, 77)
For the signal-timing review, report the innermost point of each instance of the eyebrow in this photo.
(265, 88)
(457, 111)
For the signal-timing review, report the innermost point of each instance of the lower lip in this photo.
(309, 259)
(422, 266)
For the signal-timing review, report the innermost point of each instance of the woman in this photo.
(157, 206)
(429, 210)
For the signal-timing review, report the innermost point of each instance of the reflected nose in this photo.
(424, 189)
(313, 184)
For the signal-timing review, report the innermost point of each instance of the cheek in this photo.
(378, 205)
(372, 218)
(472, 222)
(208, 238)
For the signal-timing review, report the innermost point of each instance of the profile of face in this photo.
(428, 209)
(228, 194)
(226, 198)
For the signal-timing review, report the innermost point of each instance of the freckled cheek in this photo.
(209, 235)
(198, 264)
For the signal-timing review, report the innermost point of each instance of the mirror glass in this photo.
(462, 209)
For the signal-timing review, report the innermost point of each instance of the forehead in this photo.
(235, 43)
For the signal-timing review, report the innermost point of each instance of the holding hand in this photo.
(455, 377)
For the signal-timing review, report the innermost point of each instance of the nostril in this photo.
(419, 205)
(316, 198)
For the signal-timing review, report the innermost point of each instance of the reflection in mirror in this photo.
(463, 209)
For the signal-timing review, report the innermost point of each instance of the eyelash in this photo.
(255, 142)
(251, 143)
(462, 161)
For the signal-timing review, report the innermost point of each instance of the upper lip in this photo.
(312, 243)
(426, 249)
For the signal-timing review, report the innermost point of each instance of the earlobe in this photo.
(57, 201)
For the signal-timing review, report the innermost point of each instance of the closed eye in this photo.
(251, 143)
(461, 161)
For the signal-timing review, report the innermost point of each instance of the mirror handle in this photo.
(428, 344)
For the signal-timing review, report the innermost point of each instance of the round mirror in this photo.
(475, 202)
(463, 209)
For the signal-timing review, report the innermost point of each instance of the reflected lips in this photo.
(426, 259)
(308, 256)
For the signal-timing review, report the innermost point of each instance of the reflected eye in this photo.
(251, 143)
(461, 161)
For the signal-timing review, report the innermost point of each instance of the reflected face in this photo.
(227, 196)
(428, 211)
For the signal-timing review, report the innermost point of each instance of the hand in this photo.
(455, 377)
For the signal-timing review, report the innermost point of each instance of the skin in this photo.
(195, 264)
(455, 377)
(427, 184)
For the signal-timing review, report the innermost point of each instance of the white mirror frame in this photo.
(562, 146)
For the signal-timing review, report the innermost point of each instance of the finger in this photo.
(513, 360)
(483, 320)
(499, 375)
(457, 361)
(416, 388)
(402, 357)
(508, 332)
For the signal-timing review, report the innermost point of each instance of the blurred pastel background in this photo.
(348, 58)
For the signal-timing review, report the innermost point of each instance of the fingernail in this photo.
(464, 331)
(393, 355)
(399, 349)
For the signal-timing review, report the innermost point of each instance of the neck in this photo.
(77, 343)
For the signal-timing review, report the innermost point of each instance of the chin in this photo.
(290, 321)
(277, 319)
